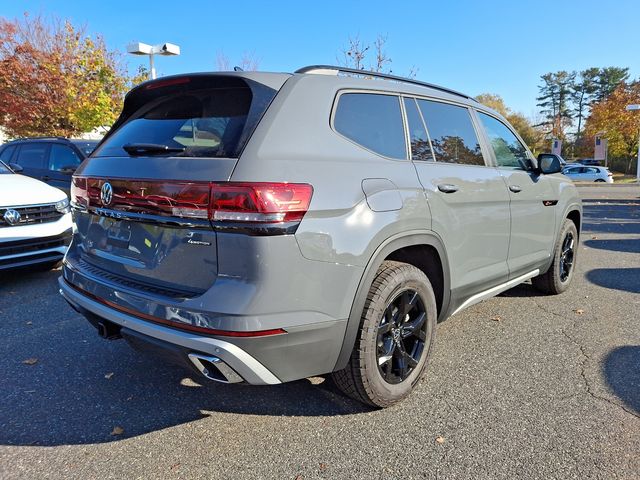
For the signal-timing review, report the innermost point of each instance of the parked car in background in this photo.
(589, 161)
(581, 173)
(267, 227)
(35, 223)
(49, 159)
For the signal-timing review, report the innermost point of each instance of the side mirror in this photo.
(16, 168)
(549, 163)
(68, 169)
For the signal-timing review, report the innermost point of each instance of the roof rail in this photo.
(387, 76)
(43, 137)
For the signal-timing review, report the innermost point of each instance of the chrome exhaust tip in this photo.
(214, 369)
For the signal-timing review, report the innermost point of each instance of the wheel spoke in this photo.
(407, 303)
(389, 349)
(385, 327)
(411, 361)
(412, 327)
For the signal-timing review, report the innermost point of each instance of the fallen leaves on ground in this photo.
(174, 466)
(440, 440)
(579, 311)
(117, 431)
(108, 375)
(496, 318)
(30, 361)
(323, 466)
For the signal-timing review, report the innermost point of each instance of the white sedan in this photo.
(35, 222)
(582, 173)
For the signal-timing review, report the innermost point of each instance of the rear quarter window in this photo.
(373, 121)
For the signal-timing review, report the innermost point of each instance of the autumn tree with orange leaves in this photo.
(57, 80)
(620, 126)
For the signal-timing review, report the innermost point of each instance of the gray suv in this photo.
(267, 227)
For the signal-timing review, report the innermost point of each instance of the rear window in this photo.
(205, 123)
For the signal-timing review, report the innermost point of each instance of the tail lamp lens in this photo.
(259, 202)
(218, 201)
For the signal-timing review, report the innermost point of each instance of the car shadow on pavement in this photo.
(621, 370)
(625, 279)
(627, 245)
(81, 387)
(523, 290)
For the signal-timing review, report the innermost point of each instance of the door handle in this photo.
(447, 188)
(46, 178)
(515, 188)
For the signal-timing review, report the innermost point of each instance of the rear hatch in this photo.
(141, 201)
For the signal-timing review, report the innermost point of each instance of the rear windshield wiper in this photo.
(150, 149)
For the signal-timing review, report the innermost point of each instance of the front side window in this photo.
(453, 137)
(420, 147)
(32, 155)
(4, 169)
(507, 148)
(62, 157)
(372, 121)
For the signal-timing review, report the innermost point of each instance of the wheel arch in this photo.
(424, 250)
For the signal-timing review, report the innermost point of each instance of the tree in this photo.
(620, 127)
(583, 90)
(248, 62)
(355, 56)
(609, 78)
(55, 79)
(554, 100)
(533, 137)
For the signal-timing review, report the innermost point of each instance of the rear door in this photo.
(32, 157)
(468, 199)
(532, 200)
(63, 161)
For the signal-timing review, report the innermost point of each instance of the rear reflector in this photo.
(237, 202)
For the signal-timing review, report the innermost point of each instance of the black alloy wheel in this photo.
(401, 336)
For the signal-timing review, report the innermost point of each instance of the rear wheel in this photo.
(395, 339)
(558, 278)
(599, 180)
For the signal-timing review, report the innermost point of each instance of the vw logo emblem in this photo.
(12, 217)
(106, 194)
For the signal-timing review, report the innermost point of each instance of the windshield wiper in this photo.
(137, 149)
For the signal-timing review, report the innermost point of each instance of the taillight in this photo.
(79, 196)
(259, 202)
(220, 202)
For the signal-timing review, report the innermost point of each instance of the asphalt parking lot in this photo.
(522, 386)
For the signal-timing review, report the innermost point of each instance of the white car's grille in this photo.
(30, 215)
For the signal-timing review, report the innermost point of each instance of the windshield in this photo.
(205, 123)
(86, 146)
(4, 169)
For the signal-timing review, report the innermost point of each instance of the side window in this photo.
(507, 148)
(5, 155)
(453, 137)
(373, 121)
(593, 170)
(32, 155)
(61, 157)
(420, 146)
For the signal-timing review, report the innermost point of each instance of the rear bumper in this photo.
(250, 369)
(305, 350)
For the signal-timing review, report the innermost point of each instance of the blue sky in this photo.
(473, 46)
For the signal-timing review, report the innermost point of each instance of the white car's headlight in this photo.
(63, 206)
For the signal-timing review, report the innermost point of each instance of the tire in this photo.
(383, 334)
(599, 180)
(557, 279)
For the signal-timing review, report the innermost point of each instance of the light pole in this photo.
(636, 107)
(139, 48)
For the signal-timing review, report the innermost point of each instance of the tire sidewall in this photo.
(567, 227)
(411, 279)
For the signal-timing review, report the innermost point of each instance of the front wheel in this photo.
(395, 339)
(558, 278)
